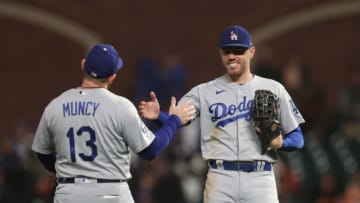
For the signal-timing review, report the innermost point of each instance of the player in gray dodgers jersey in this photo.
(238, 170)
(85, 135)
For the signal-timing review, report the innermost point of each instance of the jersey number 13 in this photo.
(89, 143)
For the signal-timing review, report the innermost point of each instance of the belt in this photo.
(87, 180)
(250, 166)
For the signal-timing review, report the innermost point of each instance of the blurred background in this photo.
(310, 46)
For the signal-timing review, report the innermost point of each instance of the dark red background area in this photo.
(37, 64)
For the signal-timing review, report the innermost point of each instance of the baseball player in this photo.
(239, 169)
(86, 134)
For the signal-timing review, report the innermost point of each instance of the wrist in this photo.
(174, 118)
(277, 143)
(162, 117)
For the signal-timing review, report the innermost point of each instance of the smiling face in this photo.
(236, 61)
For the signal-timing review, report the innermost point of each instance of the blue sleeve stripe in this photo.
(293, 140)
(163, 137)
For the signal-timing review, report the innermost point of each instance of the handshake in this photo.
(151, 109)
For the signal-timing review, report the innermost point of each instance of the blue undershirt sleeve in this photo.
(293, 140)
(48, 161)
(163, 137)
(163, 117)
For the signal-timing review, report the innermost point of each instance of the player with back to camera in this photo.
(85, 135)
(240, 164)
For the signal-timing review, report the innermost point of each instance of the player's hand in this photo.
(277, 142)
(185, 111)
(150, 109)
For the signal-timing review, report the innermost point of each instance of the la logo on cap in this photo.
(233, 36)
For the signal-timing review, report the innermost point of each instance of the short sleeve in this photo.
(137, 135)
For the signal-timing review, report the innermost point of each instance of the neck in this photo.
(240, 79)
(93, 84)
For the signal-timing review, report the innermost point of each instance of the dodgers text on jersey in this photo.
(221, 110)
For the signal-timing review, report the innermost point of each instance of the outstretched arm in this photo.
(151, 110)
(179, 115)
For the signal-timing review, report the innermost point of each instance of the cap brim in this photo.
(119, 64)
(235, 45)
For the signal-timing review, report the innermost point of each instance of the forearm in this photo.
(293, 140)
(163, 138)
(163, 117)
(48, 161)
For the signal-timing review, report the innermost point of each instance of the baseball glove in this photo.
(265, 116)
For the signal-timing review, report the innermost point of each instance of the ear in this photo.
(112, 77)
(252, 51)
(82, 64)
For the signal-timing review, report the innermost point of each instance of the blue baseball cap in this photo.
(235, 36)
(102, 61)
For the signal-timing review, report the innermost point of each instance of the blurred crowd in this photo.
(326, 170)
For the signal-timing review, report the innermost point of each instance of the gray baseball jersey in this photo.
(224, 108)
(92, 131)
